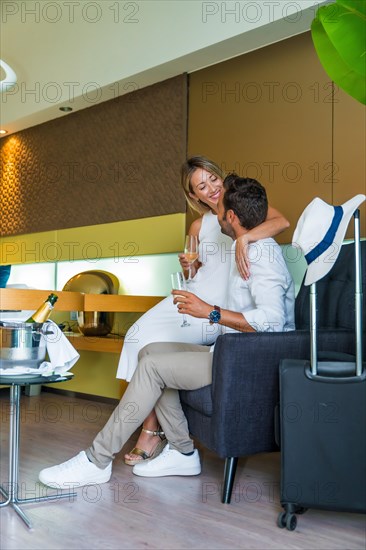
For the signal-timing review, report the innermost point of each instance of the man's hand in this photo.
(190, 304)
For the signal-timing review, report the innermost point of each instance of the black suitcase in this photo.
(323, 425)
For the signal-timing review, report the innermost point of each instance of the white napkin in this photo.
(62, 355)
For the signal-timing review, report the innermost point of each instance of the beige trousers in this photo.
(163, 369)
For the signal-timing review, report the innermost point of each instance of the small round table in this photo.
(12, 495)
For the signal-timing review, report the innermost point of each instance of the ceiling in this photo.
(79, 53)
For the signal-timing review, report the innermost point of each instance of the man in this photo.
(265, 302)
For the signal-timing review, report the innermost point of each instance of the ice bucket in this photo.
(21, 345)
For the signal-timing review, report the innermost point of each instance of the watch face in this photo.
(215, 316)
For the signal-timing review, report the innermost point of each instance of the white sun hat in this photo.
(320, 232)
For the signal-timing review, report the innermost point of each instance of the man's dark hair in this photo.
(247, 198)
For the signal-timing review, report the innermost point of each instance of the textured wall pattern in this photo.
(118, 160)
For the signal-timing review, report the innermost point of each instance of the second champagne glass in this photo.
(191, 252)
(179, 283)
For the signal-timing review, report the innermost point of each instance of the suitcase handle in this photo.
(335, 372)
(358, 294)
(357, 365)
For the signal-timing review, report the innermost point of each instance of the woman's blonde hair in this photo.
(188, 168)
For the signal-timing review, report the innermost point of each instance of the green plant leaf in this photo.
(339, 36)
(358, 6)
(347, 32)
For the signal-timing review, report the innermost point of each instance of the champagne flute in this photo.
(179, 283)
(191, 252)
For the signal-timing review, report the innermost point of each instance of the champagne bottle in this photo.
(44, 311)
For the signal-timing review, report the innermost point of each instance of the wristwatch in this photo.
(215, 315)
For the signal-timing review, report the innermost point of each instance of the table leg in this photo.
(12, 475)
(12, 495)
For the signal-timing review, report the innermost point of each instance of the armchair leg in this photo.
(229, 475)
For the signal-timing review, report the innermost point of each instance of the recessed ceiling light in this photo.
(66, 109)
(2, 132)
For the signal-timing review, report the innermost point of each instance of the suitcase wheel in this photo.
(291, 522)
(287, 520)
(281, 520)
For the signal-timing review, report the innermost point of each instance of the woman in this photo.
(202, 182)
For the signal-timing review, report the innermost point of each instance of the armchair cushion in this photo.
(235, 415)
(335, 294)
(199, 400)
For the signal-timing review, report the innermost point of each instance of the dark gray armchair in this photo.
(234, 417)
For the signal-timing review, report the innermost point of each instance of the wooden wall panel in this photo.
(349, 152)
(119, 160)
(268, 114)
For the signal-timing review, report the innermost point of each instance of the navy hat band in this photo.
(328, 238)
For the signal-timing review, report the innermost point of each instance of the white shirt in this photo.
(267, 298)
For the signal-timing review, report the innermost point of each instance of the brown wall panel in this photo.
(268, 114)
(118, 160)
(349, 152)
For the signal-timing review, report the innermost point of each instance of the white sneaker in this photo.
(170, 463)
(76, 472)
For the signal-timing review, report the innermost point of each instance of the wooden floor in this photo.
(166, 513)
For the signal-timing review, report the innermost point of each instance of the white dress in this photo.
(162, 323)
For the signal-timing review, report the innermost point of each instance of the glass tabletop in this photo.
(29, 379)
